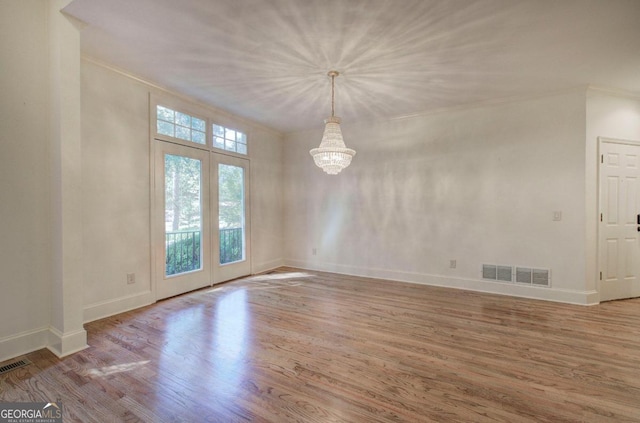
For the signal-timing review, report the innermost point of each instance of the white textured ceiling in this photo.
(267, 60)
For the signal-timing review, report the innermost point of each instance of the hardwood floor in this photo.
(298, 346)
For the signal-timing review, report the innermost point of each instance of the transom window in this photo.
(180, 125)
(229, 139)
(176, 124)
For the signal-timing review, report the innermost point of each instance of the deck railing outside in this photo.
(231, 248)
(183, 249)
(183, 252)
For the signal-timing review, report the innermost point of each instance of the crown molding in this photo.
(580, 89)
(615, 92)
(497, 102)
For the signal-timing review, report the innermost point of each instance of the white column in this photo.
(67, 334)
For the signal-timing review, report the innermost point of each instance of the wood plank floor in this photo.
(298, 346)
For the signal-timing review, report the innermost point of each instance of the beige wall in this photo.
(116, 190)
(267, 195)
(478, 185)
(609, 115)
(25, 257)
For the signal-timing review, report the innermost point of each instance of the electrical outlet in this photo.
(131, 278)
(453, 264)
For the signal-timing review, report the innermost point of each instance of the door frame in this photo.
(600, 187)
(210, 116)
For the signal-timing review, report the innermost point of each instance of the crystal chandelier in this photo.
(332, 156)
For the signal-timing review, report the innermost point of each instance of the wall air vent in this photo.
(489, 271)
(538, 277)
(505, 273)
(497, 273)
(524, 275)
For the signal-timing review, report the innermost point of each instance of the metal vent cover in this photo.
(497, 273)
(523, 275)
(15, 365)
(489, 271)
(505, 273)
(540, 277)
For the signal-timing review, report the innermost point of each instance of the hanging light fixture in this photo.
(332, 156)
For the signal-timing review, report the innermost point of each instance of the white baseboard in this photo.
(117, 305)
(23, 343)
(58, 343)
(265, 267)
(479, 285)
(63, 344)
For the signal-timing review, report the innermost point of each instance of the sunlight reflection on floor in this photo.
(118, 368)
(267, 282)
(277, 276)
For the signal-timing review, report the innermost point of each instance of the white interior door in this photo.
(182, 219)
(620, 210)
(230, 216)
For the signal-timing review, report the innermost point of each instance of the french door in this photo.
(201, 229)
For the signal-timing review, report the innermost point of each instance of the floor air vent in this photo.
(15, 365)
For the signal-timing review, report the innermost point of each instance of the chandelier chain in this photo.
(333, 78)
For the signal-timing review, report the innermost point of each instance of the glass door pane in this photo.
(230, 208)
(231, 213)
(182, 214)
(182, 245)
